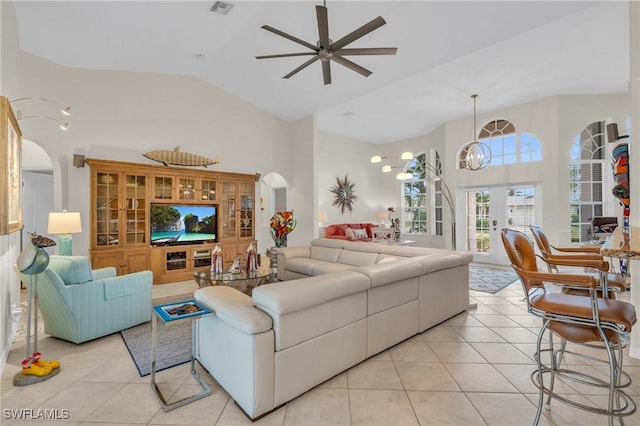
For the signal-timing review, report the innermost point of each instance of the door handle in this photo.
(495, 224)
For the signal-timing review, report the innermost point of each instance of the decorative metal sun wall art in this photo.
(344, 194)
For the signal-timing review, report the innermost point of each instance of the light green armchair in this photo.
(79, 304)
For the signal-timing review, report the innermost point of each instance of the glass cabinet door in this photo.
(162, 187)
(228, 207)
(246, 209)
(175, 260)
(107, 209)
(186, 189)
(135, 209)
(208, 190)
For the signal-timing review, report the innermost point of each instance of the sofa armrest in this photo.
(235, 308)
(102, 273)
(125, 285)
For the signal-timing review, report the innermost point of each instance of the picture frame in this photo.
(180, 310)
(10, 170)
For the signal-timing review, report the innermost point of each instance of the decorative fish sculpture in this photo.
(179, 158)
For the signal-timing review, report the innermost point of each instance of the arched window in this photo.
(507, 146)
(588, 160)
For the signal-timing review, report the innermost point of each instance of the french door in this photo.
(489, 209)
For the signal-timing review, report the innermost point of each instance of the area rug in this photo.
(173, 344)
(490, 280)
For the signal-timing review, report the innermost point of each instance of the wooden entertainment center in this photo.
(122, 194)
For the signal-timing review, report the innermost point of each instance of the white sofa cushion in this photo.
(389, 272)
(291, 296)
(330, 242)
(293, 252)
(327, 254)
(431, 263)
(303, 265)
(356, 258)
(328, 267)
(365, 247)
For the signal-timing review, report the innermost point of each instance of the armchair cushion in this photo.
(72, 269)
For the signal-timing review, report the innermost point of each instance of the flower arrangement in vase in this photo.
(282, 223)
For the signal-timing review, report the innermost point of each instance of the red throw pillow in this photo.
(331, 230)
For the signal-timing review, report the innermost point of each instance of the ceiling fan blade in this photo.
(360, 32)
(351, 65)
(369, 51)
(301, 67)
(290, 37)
(326, 72)
(323, 26)
(286, 55)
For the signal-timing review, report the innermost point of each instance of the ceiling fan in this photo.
(326, 50)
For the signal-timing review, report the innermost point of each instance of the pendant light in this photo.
(475, 155)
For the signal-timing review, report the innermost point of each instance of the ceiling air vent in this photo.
(221, 7)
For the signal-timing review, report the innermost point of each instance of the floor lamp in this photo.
(32, 261)
(64, 224)
(432, 178)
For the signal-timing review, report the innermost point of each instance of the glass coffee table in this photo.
(242, 281)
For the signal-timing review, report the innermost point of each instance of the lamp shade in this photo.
(407, 156)
(64, 222)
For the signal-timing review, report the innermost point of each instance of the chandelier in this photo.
(475, 155)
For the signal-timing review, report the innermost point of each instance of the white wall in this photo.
(302, 189)
(339, 156)
(9, 244)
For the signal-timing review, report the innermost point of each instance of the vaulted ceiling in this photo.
(509, 52)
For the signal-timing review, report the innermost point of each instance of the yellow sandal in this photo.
(34, 369)
(37, 360)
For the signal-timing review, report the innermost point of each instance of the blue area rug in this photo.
(174, 342)
(490, 280)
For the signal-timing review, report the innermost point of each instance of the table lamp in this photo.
(64, 224)
(322, 218)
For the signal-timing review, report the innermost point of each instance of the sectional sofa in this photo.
(342, 302)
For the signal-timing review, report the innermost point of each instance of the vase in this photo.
(396, 230)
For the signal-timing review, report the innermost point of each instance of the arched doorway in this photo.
(37, 189)
(273, 198)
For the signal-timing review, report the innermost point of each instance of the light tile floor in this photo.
(471, 370)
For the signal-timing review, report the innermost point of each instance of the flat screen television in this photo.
(173, 224)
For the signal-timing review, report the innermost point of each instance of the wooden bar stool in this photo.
(584, 319)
